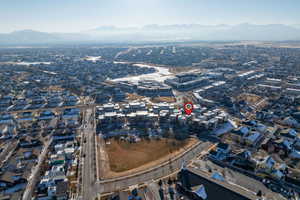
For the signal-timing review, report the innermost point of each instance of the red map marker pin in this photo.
(188, 108)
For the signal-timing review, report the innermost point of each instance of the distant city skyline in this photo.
(81, 15)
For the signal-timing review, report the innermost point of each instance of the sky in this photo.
(81, 15)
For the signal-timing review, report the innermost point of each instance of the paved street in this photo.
(7, 152)
(151, 174)
(32, 181)
(89, 161)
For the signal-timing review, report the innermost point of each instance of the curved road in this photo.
(163, 170)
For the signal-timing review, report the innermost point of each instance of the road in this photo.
(121, 183)
(89, 161)
(44, 108)
(35, 174)
(7, 152)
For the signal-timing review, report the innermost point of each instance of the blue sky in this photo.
(80, 15)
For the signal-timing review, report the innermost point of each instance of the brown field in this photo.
(163, 99)
(130, 157)
(133, 97)
(55, 88)
(188, 98)
(250, 98)
(180, 69)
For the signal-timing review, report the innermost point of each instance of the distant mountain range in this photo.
(35, 37)
(154, 32)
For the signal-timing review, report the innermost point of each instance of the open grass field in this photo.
(125, 156)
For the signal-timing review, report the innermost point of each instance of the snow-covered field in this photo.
(160, 75)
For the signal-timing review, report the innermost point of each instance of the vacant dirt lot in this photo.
(181, 69)
(128, 157)
(250, 98)
(163, 99)
(133, 97)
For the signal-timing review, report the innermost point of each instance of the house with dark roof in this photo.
(196, 187)
(29, 142)
(11, 182)
(221, 152)
(62, 191)
(223, 147)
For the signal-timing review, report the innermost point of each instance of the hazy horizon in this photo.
(82, 15)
